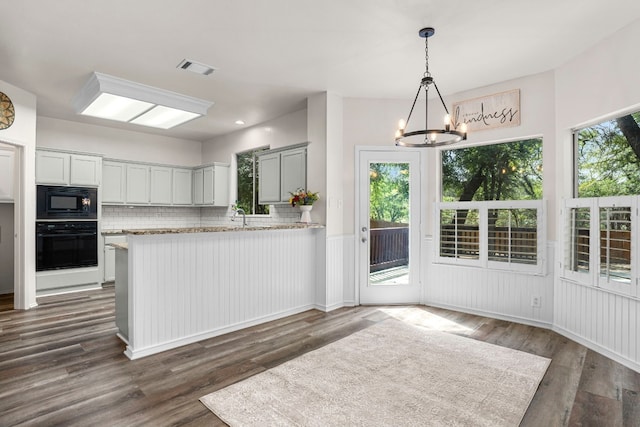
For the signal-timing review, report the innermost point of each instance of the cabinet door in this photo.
(160, 185)
(85, 170)
(137, 184)
(208, 189)
(269, 178)
(221, 186)
(114, 176)
(182, 193)
(198, 186)
(52, 167)
(7, 167)
(293, 172)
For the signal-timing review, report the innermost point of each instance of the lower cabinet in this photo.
(109, 274)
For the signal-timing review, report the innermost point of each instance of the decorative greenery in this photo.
(302, 197)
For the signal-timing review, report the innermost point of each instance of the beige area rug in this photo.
(390, 374)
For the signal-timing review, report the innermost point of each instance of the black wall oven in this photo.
(57, 202)
(66, 244)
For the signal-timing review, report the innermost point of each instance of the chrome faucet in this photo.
(244, 216)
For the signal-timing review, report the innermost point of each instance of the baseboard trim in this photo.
(138, 353)
(597, 348)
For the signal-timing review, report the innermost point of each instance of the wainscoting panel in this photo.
(334, 285)
(188, 287)
(494, 293)
(607, 322)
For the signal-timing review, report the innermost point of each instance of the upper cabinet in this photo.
(281, 172)
(182, 187)
(211, 185)
(114, 178)
(161, 178)
(7, 167)
(60, 168)
(137, 184)
(128, 183)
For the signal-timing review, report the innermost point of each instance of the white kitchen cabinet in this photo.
(160, 185)
(269, 184)
(110, 257)
(114, 178)
(198, 186)
(60, 168)
(182, 187)
(281, 172)
(211, 185)
(7, 168)
(85, 170)
(137, 184)
(52, 167)
(293, 172)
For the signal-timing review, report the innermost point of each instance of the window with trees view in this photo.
(248, 180)
(491, 205)
(608, 158)
(601, 221)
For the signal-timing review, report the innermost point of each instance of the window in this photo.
(248, 180)
(600, 242)
(600, 224)
(513, 235)
(491, 209)
(608, 158)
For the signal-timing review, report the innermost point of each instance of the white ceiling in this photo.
(271, 54)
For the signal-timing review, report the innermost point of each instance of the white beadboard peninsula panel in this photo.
(604, 321)
(335, 280)
(494, 293)
(349, 270)
(188, 287)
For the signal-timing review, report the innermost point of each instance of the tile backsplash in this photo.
(123, 217)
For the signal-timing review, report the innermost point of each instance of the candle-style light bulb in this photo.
(463, 128)
(432, 137)
(402, 124)
(398, 133)
(447, 122)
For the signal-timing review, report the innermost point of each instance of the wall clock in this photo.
(7, 111)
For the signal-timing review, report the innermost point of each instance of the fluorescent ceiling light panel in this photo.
(112, 98)
(114, 107)
(164, 117)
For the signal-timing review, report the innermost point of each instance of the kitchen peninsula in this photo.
(179, 286)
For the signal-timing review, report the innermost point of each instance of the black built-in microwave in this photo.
(57, 202)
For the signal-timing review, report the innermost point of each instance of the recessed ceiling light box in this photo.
(113, 98)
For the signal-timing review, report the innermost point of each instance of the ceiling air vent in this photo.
(196, 67)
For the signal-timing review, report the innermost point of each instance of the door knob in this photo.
(364, 240)
(364, 229)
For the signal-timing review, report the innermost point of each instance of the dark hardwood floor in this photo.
(61, 364)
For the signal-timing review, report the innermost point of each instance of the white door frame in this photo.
(357, 211)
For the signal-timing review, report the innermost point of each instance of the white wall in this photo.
(280, 132)
(117, 143)
(600, 83)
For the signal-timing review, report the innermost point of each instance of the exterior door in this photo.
(388, 227)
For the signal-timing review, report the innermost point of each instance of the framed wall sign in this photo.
(489, 112)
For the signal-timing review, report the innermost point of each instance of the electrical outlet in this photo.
(535, 302)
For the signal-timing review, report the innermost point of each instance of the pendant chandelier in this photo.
(450, 134)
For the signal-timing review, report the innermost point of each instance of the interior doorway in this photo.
(9, 174)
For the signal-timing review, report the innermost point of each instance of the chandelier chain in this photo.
(426, 58)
